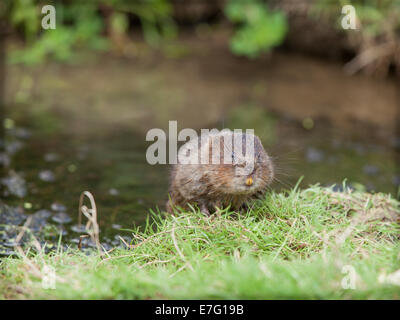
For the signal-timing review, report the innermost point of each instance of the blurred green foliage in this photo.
(83, 24)
(76, 25)
(259, 29)
(377, 17)
(98, 24)
(377, 35)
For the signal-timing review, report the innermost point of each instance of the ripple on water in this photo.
(78, 228)
(51, 157)
(47, 176)
(15, 184)
(370, 170)
(314, 155)
(39, 219)
(58, 207)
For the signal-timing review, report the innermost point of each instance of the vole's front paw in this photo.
(204, 210)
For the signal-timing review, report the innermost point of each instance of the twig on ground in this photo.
(91, 215)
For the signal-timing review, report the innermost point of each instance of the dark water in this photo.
(56, 170)
(52, 156)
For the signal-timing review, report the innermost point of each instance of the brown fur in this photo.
(216, 185)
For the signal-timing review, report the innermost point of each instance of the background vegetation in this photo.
(259, 26)
(378, 39)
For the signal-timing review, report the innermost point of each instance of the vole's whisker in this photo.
(281, 173)
(282, 183)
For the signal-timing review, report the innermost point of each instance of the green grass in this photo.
(291, 245)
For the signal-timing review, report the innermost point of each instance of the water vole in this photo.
(242, 171)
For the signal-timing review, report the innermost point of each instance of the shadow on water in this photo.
(62, 146)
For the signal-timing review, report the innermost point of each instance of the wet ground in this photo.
(82, 127)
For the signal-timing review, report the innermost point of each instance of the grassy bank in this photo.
(300, 244)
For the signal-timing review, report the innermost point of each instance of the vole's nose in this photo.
(249, 181)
